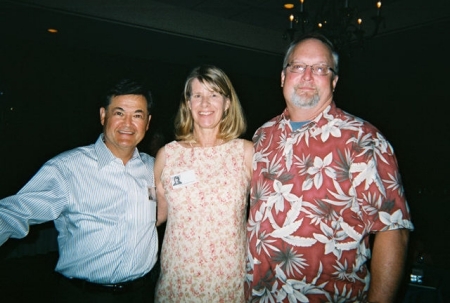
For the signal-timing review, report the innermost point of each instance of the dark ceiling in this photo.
(193, 31)
(256, 25)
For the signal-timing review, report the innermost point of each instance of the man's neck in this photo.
(298, 114)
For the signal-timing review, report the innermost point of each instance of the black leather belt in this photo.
(118, 287)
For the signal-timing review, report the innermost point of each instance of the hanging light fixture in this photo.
(288, 4)
(336, 19)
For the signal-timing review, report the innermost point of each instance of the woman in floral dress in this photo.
(202, 182)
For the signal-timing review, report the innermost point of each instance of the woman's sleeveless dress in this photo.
(203, 251)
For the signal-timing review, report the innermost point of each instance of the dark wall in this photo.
(400, 83)
(51, 92)
(397, 82)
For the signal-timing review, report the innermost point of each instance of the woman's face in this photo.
(207, 106)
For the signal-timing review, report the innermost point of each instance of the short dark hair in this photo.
(126, 86)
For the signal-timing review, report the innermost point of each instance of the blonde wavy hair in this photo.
(233, 123)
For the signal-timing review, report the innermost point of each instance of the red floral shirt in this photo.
(317, 193)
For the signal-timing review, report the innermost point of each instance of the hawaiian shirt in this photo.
(317, 194)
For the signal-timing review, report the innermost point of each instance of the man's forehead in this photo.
(128, 103)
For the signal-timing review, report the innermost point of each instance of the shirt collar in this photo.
(105, 156)
(285, 117)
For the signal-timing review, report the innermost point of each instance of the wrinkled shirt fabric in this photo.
(317, 194)
(100, 208)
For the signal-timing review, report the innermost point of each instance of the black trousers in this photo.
(68, 291)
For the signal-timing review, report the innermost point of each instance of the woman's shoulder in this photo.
(246, 143)
(175, 144)
(243, 144)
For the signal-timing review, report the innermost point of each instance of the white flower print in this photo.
(368, 173)
(373, 203)
(286, 144)
(334, 237)
(296, 290)
(303, 164)
(395, 183)
(290, 226)
(268, 124)
(263, 242)
(343, 273)
(370, 145)
(260, 156)
(350, 199)
(320, 165)
(395, 220)
(265, 295)
(329, 237)
(291, 261)
(285, 233)
(316, 180)
(281, 193)
(331, 128)
(342, 297)
(261, 191)
(254, 222)
(274, 168)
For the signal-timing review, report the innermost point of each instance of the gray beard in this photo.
(304, 102)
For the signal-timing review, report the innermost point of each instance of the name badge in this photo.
(183, 179)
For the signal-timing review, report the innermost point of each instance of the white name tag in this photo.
(183, 179)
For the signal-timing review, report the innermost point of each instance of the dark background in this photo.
(50, 88)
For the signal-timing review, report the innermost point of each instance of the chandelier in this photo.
(336, 19)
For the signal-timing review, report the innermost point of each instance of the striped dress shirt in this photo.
(101, 210)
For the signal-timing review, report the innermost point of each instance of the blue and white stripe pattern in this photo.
(100, 207)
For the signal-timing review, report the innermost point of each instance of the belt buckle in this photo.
(125, 286)
(118, 287)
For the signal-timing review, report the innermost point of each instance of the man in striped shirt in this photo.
(98, 198)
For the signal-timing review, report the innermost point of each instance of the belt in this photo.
(114, 288)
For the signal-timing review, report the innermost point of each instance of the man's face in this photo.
(125, 123)
(308, 90)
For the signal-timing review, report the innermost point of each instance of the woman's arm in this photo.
(249, 151)
(161, 199)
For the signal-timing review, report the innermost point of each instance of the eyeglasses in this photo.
(317, 69)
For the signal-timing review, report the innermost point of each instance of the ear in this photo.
(335, 80)
(148, 122)
(102, 115)
(227, 104)
(283, 76)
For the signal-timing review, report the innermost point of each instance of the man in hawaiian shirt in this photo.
(323, 182)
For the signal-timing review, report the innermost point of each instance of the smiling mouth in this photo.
(305, 88)
(124, 132)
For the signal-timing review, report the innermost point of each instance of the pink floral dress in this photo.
(204, 246)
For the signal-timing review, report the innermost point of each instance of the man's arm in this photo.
(41, 200)
(387, 264)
